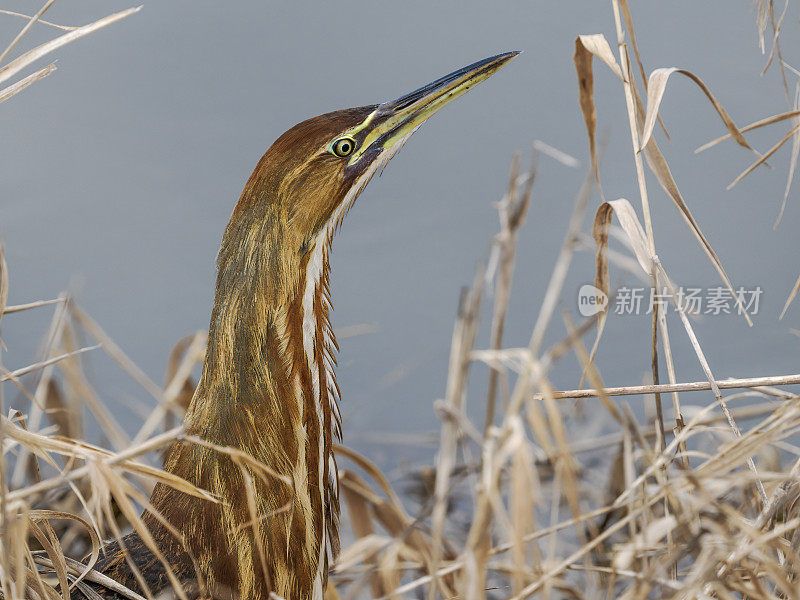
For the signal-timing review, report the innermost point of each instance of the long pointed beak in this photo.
(395, 121)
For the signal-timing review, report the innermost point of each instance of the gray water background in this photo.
(120, 170)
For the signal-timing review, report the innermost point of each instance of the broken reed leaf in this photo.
(602, 221)
(586, 47)
(392, 519)
(370, 468)
(755, 125)
(597, 45)
(41, 515)
(656, 86)
(583, 66)
(769, 153)
(15, 66)
(626, 215)
(16, 88)
(658, 165)
(48, 540)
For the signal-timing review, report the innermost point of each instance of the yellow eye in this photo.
(343, 147)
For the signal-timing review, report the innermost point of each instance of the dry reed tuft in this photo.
(695, 506)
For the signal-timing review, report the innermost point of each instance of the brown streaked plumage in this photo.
(267, 389)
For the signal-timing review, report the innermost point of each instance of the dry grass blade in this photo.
(122, 492)
(791, 297)
(512, 209)
(795, 130)
(114, 351)
(792, 160)
(31, 22)
(372, 470)
(361, 524)
(776, 45)
(20, 85)
(597, 45)
(3, 281)
(29, 306)
(39, 515)
(16, 65)
(522, 494)
(558, 155)
(46, 363)
(48, 540)
(41, 445)
(626, 215)
(586, 47)
(694, 386)
(75, 378)
(463, 342)
(626, 15)
(602, 223)
(76, 568)
(659, 166)
(180, 389)
(756, 125)
(11, 13)
(655, 92)
(565, 255)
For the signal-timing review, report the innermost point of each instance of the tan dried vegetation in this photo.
(694, 506)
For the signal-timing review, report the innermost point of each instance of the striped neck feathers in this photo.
(271, 346)
(268, 390)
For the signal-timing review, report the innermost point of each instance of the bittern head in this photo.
(312, 173)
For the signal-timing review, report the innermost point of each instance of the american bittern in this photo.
(267, 389)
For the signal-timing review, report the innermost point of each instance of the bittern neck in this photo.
(270, 335)
(267, 389)
(269, 300)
